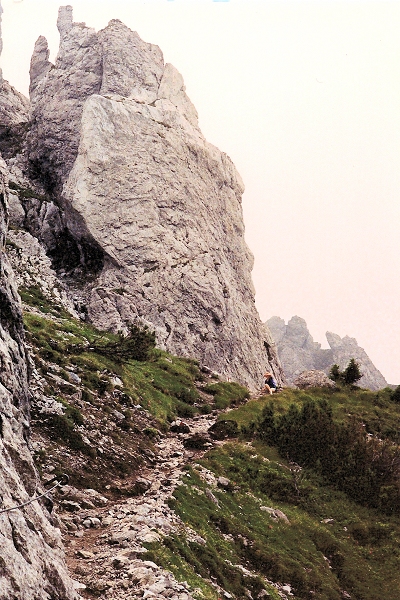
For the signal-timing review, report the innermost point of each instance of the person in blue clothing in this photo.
(270, 385)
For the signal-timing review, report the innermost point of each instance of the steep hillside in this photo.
(31, 560)
(171, 498)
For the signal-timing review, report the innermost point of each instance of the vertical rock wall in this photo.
(153, 209)
(31, 556)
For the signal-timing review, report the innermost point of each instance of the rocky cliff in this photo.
(138, 212)
(345, 348)
(31, 560)
(298, 352)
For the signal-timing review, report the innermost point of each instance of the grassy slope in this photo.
(379, 413)
(332, 544)
(357, 550)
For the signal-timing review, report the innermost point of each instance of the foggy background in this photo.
(304, 97)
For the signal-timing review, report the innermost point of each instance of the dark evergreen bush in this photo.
(396, 394)
(367, 469)
(136, 345)
(349, 376)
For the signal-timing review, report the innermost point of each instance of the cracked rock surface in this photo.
(153, 209)
(298, 352)
(31, 559)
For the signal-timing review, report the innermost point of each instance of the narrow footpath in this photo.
(104, 543)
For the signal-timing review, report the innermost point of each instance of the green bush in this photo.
(134, 346)
(62, 428)
(227, 393)
(396, 394)
(349, 376)
(342, 453)
(185, 411)
(225, 428)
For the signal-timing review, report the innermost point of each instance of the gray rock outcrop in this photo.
(296, 348)
(343, 349)
(31, 559)
(14, 113)
(146, 214)
(313, 379)
(298, 352)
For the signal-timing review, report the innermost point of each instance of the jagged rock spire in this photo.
(65, 19)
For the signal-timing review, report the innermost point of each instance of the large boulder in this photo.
(313, 379)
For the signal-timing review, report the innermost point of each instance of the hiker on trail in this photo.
(270, 384)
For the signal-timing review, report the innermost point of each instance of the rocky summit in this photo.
(140, 215)
(298, 352)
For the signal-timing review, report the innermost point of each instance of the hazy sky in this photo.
(305, 98)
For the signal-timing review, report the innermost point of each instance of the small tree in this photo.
(352, 372)
(396, 394)
(335, 373)
(349, 376)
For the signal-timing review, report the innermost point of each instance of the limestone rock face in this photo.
(14, 116)
(31, 558)
(14, 111)
(296, 348)
(343, 349)
(298, 352)
(14, 107)
(154, 209)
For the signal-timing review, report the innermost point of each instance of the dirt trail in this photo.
(104, 544)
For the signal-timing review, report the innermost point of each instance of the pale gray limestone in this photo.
(31, 558)
(153, 209)
(298, 352)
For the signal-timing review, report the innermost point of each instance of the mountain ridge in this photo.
(298, 352)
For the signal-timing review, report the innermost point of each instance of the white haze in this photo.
(304, 97)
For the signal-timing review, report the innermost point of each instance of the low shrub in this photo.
(224, 429)
(363, 467)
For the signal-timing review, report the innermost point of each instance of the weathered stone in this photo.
(152, 208)
(313, 379)
(14, 107)
(298, 352)
(198, 441)
(223, 482)
(179, 427)
(31, 561)
(296, 348)
(343, 349)
(211, 496)
(70, 506)
(140, 486)
(275, 513)
(84, 554)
